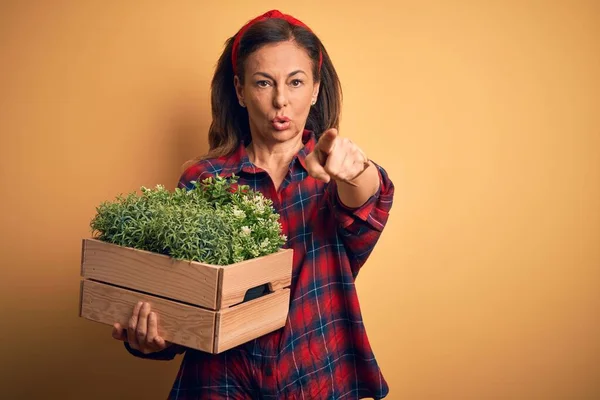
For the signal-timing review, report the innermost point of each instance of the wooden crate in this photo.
(200, 306)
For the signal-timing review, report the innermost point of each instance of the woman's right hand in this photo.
(142, 330)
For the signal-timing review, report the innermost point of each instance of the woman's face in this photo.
(278, 91)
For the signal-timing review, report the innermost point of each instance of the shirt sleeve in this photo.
(164, 355)
(192, 173)
(361, 227)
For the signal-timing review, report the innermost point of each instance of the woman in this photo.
(276, 103)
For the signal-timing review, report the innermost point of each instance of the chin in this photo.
(282, 136)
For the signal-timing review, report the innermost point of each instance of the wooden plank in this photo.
(247, 321)
(183, 324)
(217, 332)
(186, 281)
(82, 257)
(274, 269)
(80, 297)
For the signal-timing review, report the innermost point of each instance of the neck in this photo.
(273, 156)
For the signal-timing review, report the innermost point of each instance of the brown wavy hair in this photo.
(230, 124)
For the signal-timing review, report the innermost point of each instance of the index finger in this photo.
(326, 142)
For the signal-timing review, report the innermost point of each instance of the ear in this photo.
(239, 90)
(315, 94)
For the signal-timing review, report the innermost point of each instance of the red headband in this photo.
(265, 16)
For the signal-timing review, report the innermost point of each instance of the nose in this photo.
(280, 99)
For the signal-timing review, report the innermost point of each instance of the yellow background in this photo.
(485, 284)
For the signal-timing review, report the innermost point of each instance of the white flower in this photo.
(265, 243)
(259, 201)
(238, 213)
(246, 231)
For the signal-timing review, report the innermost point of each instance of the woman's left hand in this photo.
(336, 158)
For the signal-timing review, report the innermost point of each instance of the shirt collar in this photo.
(310, 141)
(240, 161)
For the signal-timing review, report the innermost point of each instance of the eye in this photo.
(297, 83)
(263, 84)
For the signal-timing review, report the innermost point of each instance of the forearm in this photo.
(367, 184)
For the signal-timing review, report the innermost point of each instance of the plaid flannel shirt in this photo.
(323, 351)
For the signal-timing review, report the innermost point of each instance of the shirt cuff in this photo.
(167, 354)
(367, 213)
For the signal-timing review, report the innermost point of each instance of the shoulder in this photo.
(224, 166)
(201, 170)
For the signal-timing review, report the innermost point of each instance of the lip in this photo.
(280, 119)
(280, 124)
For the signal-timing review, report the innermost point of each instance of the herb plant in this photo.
(216, 222)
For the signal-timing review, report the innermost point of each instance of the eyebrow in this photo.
(289, 75)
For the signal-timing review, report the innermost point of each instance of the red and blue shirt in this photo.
(323, 351)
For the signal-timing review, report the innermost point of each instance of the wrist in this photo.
(361, 178)
(360, 189)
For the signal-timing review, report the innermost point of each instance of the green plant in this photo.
(216, 222)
